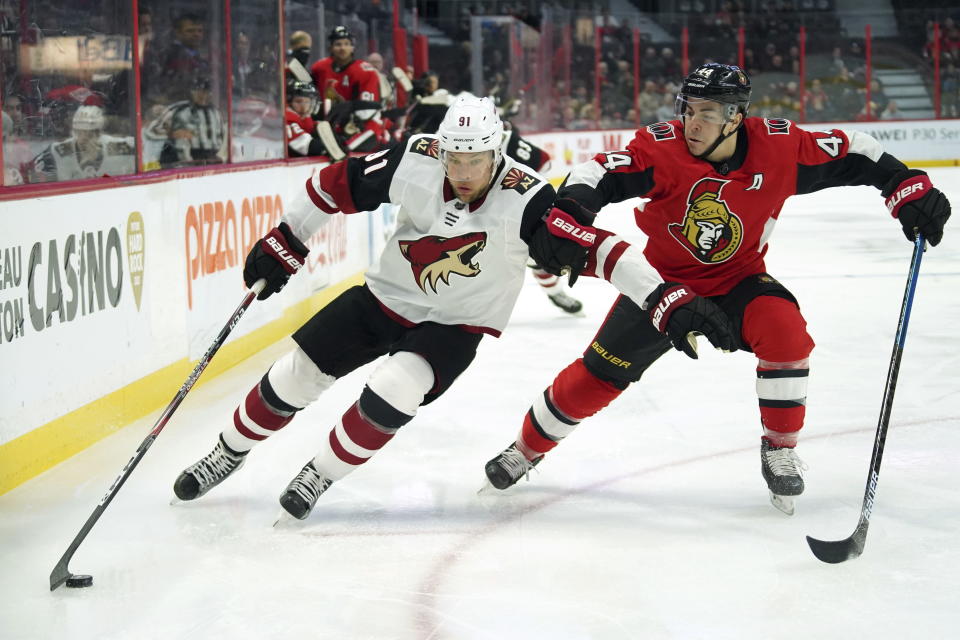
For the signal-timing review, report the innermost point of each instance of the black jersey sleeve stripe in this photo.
(536, 208)
(852, 169)
(370, 177)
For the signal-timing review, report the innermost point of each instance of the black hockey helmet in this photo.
(340, 32)
(299, 88)
(723, 83)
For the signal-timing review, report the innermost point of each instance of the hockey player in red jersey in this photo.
(300, 128)
(340, 76)
(716, 180)
(451, 272)
(351, 89)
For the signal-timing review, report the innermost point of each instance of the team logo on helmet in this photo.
(518, 181)
(434, 259)
(427, 147)
(710, 231)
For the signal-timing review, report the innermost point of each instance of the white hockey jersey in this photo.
(450, 262)
(446, 262)
(114, 156)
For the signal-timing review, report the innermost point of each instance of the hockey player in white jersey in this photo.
(88, 153)
(451, 272)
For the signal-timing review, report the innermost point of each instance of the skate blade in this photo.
(487, 489)
(284, 521)
(783, 503)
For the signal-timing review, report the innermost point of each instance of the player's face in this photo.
(200, 97)
(469, 173)
(301, 104)
(703, 122)
(87, 139)
(342, 49)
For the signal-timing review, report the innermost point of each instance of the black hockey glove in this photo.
(682, 315)
(275, 257)
(917, 204)
(561, 245)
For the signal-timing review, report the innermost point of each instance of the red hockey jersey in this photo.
(708, 223)
(356, 81)
(299, 130)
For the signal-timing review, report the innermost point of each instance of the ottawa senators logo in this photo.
(435, 258)
(710, 231)
(427, 147)
(518, 181)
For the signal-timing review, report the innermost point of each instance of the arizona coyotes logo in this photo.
(710, 231)
(435, 258)
(518, 181)
(427, 147)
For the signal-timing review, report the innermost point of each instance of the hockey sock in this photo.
(777, 333)
(782, 394)
(574, 395)
(367, 426)
(261, 414)
(545, 279)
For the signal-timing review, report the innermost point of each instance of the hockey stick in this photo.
(836, 551)
(61, 573)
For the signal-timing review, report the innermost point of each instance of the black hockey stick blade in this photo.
(837, 551)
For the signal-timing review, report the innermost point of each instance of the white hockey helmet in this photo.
(88, 118)
(471, 125)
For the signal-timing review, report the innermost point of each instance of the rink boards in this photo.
(108, 298)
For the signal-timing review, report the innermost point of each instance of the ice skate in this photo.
(566, 302)
(208, 472)
(507, 468)
(783, 470)
(303, 491)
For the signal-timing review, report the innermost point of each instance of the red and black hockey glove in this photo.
(917, 204)
(276, 257)
(681, 314)
(561, 245)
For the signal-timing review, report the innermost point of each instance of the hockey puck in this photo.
(79, 581)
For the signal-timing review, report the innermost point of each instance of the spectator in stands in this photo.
(87, 153)
(670, 65)
(648, 101)
(299, 54)
(950, 93)
(192, 130)
(650, 65)
(666, 110)
(12, 160)
(878, 96)
(817, 102)
(892, 112)
(182, 61)
(13, 108)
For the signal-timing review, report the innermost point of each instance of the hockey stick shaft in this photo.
(849, 548)
(61, 571)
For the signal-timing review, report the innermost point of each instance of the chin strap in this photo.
(718, 141)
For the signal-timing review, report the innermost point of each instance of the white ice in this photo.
(650, 521)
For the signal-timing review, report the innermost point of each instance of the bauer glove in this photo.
(917, 204)
(681, 315)
(275, 257)
(561, 245)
